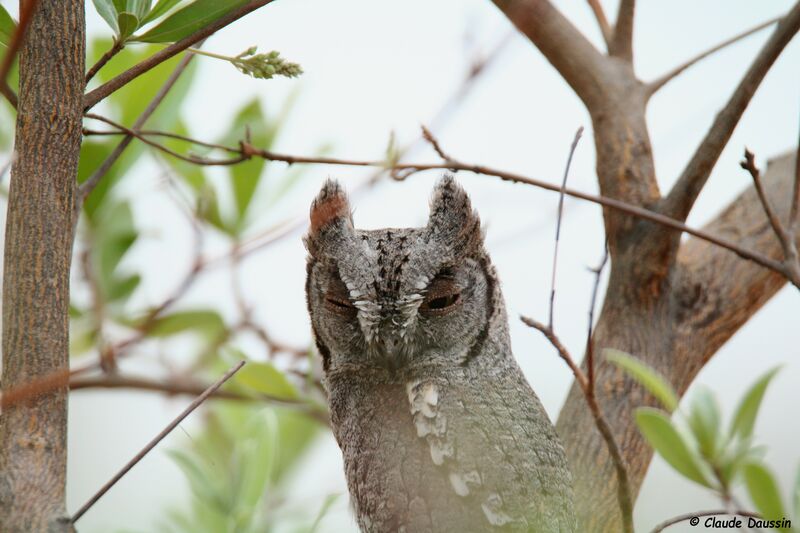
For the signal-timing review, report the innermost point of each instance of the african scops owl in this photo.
(438, 427)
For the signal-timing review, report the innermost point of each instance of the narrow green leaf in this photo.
(763, 491)
(657, 428)
(704, 421)
(208, 322)
(107, 10)
(648, 377)
(7, 27)
(266, 379)
(140, 8)
(746, 413)
(188, 20)
(160, 9)
(197, 478)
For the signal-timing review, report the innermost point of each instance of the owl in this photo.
(438, 428)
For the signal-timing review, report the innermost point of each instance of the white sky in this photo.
(375, 67)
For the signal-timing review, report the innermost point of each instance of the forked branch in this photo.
(685, 192)
(658, 83)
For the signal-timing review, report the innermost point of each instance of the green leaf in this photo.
(266, 379)
(160, 9)
(258, 453)
(746, 413)
(128, 23)
(198, 479)
(704, 421)
(763, 491)
(649, 378)
(657, 428)
(121, 289)
(7, 27)
(107, 10)
(296, 432)
(208, 322)
(245, 176)
(188, 20)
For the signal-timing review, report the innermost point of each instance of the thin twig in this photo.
(598, 271)
(602, 21)
(247, 151)
(93, 97)
(559, 217)
(622, 43)
(790, 256)
(699, 514)
(158, 438)
(27, 10)
(189, 159)
(623, 483)
(659, 82)
(428, 136)
(684, 193)
(794, 212)
(105, 58)
(89, 185)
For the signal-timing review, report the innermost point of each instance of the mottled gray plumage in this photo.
(438, 428)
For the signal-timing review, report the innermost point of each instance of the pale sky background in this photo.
(375, 67)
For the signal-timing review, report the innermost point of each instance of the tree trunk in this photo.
(38, 249)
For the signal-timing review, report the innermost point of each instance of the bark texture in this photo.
(671, 304)
(33, 434)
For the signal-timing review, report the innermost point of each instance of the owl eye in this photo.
(443, 295)
(337, 299)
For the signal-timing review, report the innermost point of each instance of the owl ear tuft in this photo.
(452, 219)
(329, 210)
(330, 205)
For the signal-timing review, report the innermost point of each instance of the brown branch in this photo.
(89, 185)
(93, 97)
(791, 261)
(25, 16)
(794, 210)
(686, 190)
(559, 217)
(105, 58)
(622, 44)
(564, 46)
(189, 159)
(624, 497)
(405, 170)
(658, 83)
(688, 516)
(158, 438)
(589, 345)
(602, 21)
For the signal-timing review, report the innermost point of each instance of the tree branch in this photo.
(622, 44)
(105, 58)
(658, 83)
(93, 97)
(685, 192)
(716, 291)
(624, 497)
(790, 258)
(158, 438)
(564, 46)
(89, 185)
(404, 170)
(25, 15)
(602, 21)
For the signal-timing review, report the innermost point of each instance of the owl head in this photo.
(397, 300)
